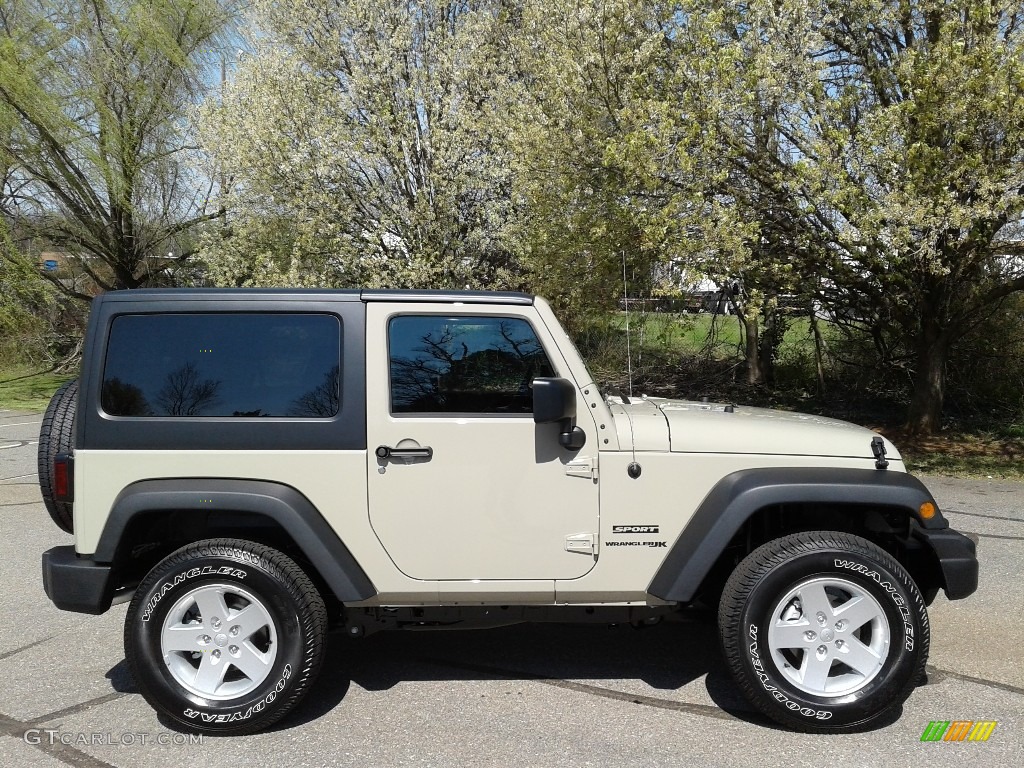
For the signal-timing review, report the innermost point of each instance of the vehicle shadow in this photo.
(665, 657)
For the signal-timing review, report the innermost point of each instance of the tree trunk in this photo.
(925, 415)
(819, 351)
(756, 373)
(762, 344)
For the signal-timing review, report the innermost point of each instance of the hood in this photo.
(691, 427)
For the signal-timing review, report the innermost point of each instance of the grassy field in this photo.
(26, 390)
(679, 332)
(683, 334)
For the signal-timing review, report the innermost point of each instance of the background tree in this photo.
(916, 138)
(866, 157)
(361, 145)
(873, 149)
(95, 98)
(583, 223)
(25, 304)
(621, 166)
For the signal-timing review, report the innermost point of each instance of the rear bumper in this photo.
(957, 559)
(77, 584)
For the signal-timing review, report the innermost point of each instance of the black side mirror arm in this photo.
(572, 438)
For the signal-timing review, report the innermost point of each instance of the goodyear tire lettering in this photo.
(779, 696)
(209, 717)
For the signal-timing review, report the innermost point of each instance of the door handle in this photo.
(387, 452)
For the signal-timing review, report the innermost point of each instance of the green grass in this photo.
(677, 333)
(26, 390)
(967, 452)
(978, 467)
(690, 334)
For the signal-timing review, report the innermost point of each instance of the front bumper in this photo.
(957, 560)
(77, 584)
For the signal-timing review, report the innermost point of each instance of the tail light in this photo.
(63, 478)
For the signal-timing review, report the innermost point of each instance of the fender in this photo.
(739, 495)
(280, 503)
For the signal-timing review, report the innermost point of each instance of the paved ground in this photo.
(523, 696)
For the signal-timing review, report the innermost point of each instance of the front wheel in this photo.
(824, 631)
(225, 636)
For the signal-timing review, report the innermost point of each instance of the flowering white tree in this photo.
(360, 144)
(878, 144)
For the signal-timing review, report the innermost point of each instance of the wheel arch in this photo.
(188, 509)
(724, 527)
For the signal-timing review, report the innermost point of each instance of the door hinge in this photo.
(584, 543)
(585, 466)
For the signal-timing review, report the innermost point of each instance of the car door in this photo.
(463, 485)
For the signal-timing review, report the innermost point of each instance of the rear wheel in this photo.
(56, 436)
(824, 631)
(225, 636)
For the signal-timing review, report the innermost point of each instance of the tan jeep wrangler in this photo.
(252, 467)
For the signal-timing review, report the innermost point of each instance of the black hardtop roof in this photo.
(311, 294)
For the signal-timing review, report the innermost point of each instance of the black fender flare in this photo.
(739, 495)
(280, 503)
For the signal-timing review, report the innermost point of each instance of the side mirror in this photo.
(554, 400)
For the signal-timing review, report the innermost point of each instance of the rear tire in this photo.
(56, 436)
(225, 636)
(823, 631)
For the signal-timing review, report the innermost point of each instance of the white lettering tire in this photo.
(225, 636)
(824, 631)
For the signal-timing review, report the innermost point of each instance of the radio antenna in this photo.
(634, 469)
(625, 300)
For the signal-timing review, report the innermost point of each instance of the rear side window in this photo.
(223, 365)
(442, 364)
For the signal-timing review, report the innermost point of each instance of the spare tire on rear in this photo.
(56, 436)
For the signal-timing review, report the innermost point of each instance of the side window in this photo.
(217, 365)
(442, 364)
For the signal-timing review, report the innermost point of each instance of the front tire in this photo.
(225, 636)
(824, 631)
